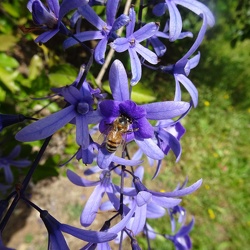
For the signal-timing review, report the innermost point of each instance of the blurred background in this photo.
(217, 142)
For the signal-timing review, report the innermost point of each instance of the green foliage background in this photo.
(216, 144)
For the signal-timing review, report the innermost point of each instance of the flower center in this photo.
(82, 108)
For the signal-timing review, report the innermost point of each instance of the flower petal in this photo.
(175, 24)
(118, 81)
(47, 126)
(165, 110)
(111, 9)
(159, 9)
(198, 8)
(83, 36)
(68, 5)
(82, 131)
(181, 192)
(80, 181)
(150, 149)
(189, 86)
(120, 44)
(90, 15)
(147, 54)
(100, 51)
(146, 31)
(44, 37)
(139, 219)
(135, 66)
(91, 207)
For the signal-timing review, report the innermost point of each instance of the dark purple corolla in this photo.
(132, 43)
(50, 19)
(7, 161)
(79, 111)
(56, 229)
(141, 130)
(182, 68)
(106, 30)
(175, 22)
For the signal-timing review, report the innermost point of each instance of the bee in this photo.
(118, 129)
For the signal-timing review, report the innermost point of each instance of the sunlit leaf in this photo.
(62, 75)
(11, 9)
(7, 77)
(35, 67)
(8, 61)
(7, 41)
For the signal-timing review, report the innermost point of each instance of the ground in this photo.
(61, 198)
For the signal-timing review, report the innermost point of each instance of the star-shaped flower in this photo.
(106, 30)
(132, 43)
(79, 111)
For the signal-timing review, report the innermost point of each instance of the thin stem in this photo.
(86, 71)
(24, 183)
(32, 204)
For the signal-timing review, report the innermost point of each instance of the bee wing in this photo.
(102, 138)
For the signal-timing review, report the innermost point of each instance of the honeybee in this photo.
(117, 131)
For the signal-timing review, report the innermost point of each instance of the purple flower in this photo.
(115, 229)
(168, 134)
(50, 19)
(158, 46)
(7, 161)
(106, 30)
(132, 44)
(175, 23)
(7, 120)
(56, 238)
(182, 239)
(182, 68)
(103, 186)
(141, 130)
(79, 111)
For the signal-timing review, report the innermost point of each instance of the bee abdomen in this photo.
(111, 146)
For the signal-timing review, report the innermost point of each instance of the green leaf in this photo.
(35, 67)
(7, 41)
(2, 95)
(142, 95)
(139, 94)
(62, 75)
(7, 77)
(8, 61)
(11, 9)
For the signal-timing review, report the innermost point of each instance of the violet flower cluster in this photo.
(154, 129)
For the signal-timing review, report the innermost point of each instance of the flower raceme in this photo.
(154, 127)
